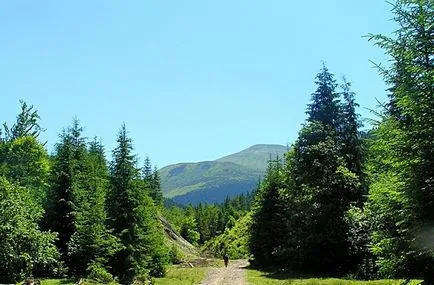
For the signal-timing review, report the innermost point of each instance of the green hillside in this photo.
(255, 157)
(213, 181)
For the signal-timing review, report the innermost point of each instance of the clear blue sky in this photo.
(192, 80)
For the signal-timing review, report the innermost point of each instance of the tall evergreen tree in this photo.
(325, 104)
(147, 170)
(320, 185)
(401, 195)
(92, 244)
(151, 178)
(66, 180)
(156, 191)
(133, 217)
(350, 131)
(268, 226)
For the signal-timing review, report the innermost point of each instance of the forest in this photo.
(344, 201)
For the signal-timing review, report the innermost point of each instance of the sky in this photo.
(192, 80)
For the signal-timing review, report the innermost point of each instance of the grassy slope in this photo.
(181, 178)
(255, 277)
(227, 176)
(233, 241)
(255, 157)
(182, 276)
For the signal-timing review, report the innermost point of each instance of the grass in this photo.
(66, 282)
(55, 282)
(182, 276)
(255, 277)
(175, 276)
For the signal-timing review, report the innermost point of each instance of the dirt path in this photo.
(232, 275)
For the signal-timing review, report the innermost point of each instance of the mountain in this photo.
(213, 181)
(255, 157)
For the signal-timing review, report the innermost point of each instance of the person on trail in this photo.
(226, 259)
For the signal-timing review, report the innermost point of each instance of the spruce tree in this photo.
(133, 217)
(67, 189)
(268, 228)
(151, 178)
(325, 104)
(147, 170)
(156, 191)
(402, 165)
(321, 186)
(350, 130)
(92, 244)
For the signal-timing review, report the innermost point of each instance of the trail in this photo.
(232, 275)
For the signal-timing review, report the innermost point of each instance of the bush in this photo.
(24, 249)
(176, 255)
(99, 274)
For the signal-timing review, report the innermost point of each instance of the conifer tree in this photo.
(92, 244)
(350, 131)
(325, 104)
(68, 167)
(133, 217)
(320, 185)
(147, 170)
(268, 228)
(156, 191)
(67, 190)
(401, 194)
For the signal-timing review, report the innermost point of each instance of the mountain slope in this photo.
(255, 157)
(213, 181)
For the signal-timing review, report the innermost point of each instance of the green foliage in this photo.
(156, 192)
(256, 277)
(325, 106)
(24, 161)
(268, 229)
(201, 223)
(24, 249)
(77, 206)
(99, 274)
(133, 217)
(66, 184)
(26, 125)
(359, 238)
(188, 230)
(233, 241)
(300, 209)
(151, 178)
(176, 255)
(92, 244)
(401, 194)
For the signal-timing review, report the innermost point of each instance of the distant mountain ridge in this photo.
(213, 181)
(255, 157)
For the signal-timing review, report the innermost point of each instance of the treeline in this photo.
(201, 223)
(74, 213)
(343, 203)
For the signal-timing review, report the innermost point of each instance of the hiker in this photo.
(226, 259)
